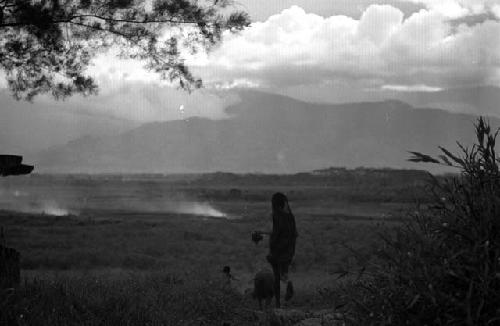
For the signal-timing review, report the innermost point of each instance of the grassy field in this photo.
(144, 250)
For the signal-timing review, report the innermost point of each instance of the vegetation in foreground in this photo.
(157, 272)
(154, 299)
(444, 267)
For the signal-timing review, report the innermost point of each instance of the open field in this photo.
(135, 238)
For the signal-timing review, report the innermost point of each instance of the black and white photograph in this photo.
(249, 162)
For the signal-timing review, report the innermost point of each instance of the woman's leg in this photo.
(286, 280)
(289, 290)
(277, 276)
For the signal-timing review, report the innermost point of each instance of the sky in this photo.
(316, 50)
(382, 48)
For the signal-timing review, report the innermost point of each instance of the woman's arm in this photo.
(263, 232)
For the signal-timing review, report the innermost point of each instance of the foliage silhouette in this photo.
(46, 45)
(443, 268)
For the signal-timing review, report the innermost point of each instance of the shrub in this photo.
(443, 267)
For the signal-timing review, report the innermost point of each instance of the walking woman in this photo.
(281, 244)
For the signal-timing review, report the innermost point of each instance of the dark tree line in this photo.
(47, 45)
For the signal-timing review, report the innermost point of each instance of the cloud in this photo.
(260, 10)
(411, 88)
(3, 80)
(380, 48)
(128, 91)
(141, 102)
(458, 8)
(495, 9)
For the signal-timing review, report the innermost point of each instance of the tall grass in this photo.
(154, 299)
(444, 267)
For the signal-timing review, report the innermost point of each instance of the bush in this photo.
(443, 267)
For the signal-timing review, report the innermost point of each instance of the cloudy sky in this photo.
(399, 45)
(319, 50)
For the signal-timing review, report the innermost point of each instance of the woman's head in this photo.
(279, 202)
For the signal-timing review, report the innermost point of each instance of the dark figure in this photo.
(282, 244)
(228, 277)
(263, 287)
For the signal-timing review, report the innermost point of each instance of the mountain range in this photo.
(271, 134)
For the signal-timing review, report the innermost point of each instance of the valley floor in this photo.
(106, 263)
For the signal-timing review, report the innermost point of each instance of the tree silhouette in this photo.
(46, 45)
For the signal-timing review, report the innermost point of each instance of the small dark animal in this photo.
(227, 275)
(263, 287)
(226, 270)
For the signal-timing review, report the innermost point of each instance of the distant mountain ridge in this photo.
(481, 100)
(272, 134)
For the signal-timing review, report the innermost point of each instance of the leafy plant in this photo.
(443, 267)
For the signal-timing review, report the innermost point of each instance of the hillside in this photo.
(270, 133)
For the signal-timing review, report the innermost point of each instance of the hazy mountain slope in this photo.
(270, 133)
(29, 127)
(478, 100)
